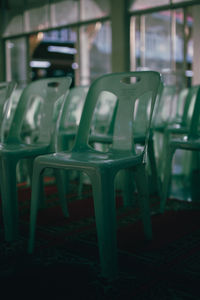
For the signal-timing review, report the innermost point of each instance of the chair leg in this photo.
(80, 183)
(105, 216)
(9, 197)
(128, 185)
(154, 179)
(166, 177)
(166, 140)
(37, 185)
(30, 163)
(143, 193)
(62, 182)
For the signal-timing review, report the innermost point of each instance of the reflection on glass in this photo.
(144, 4)
(95, 51)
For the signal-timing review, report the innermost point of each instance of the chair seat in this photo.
(107, 139)
(91, 158)
(187, 144)
(25, 150)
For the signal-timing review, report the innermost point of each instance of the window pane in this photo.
(144, 4)
(53, 53)
(90, 9)
(152, 40)
(179, 47)
(14, 25)
(64, 12)
(36, 18)
(16, 60)
(95, 51)
(189, 32)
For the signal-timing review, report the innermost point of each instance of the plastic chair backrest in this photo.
(164, 106)
(194, 123)
(104, 114)
(6, 91)
(128, 88)
(180, 105)
(38, 100)
(9, 112)
(73, 107)
(189, 106)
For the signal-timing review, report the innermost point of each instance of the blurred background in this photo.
(87, 38)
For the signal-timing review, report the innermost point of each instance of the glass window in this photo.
(152, 41)
(144, 4)
(53, 54)
(91, 9)
(14, 24)
(36, 18)
(16, 60)
(64, 12)
(189, 42)
(95, 51)
(178, 51)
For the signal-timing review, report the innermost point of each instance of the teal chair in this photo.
(102, 167)
(44, 94)
(181, 122)
(189, 140)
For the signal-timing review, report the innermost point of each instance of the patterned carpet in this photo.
(65, 264)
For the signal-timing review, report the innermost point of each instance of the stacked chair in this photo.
(180, 124)
(102, 166)
(187, 139)
(38, 99)
(161, 118)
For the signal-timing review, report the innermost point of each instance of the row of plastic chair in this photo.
(173, 125)
(124, 152)
(46, 98)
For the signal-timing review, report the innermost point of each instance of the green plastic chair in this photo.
(46, 92)
(181, 122)
(102, 167)
(188, 141)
